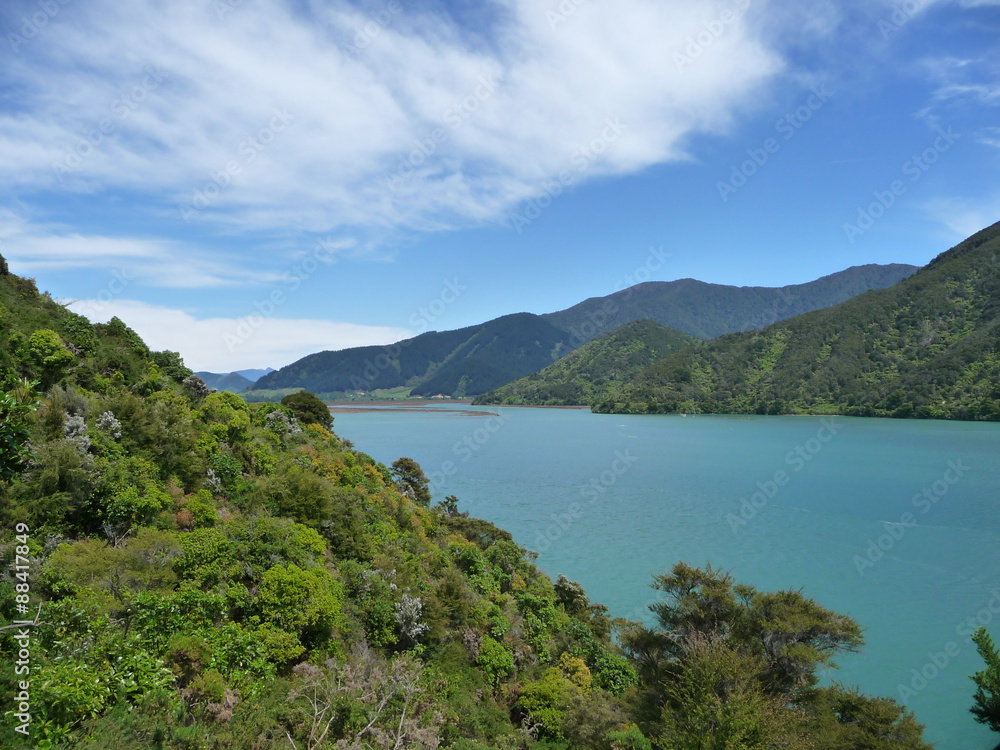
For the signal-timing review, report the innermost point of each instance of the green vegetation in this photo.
(475, 360)
(309, 409)
(987, 699)
(218, 574)
(232, 382)
(458, 363)
(594, 370)
(928, 347)
(708, 311)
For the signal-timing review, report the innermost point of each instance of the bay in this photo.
(892, 522)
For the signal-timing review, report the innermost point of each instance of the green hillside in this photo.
(232, 382)
(594, 370)
(478, 359)
(711, 310)
(928, 347)
(202, 573)
(459, 363)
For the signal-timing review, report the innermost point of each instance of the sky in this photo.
(250, 181)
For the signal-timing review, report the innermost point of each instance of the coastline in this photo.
(422, 404)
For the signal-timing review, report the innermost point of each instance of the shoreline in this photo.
(421, 405)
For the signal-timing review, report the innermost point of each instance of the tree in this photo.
(308, 408)
(987, 708)
(728, 666)
(48, 351)
(15, 406)
(412, 481)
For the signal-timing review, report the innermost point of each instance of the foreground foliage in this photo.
(216, 574)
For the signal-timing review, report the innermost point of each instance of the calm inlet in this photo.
(892, 522)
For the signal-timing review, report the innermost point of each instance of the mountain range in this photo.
(481, 358)
(927, 347)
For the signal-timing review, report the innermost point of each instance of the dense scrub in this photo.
(215, 574)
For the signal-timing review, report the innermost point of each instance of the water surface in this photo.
(892, 522)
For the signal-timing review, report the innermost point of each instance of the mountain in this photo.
(254, 375)
(927, 347)
(233, 382)
(477, 359)
(196, 571)
(712, 310)
(594, 370)
(459, 363)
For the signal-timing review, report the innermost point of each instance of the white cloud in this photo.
(188, 103)
(35, 249)
(228, 344)
(964, 217)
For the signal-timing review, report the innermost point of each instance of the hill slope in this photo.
(711, 310)
(478, 359)
(460, 363)
(232, 382)
(594, 370)
(928, 347)
(201, 572)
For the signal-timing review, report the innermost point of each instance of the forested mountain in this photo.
(928, 347)
(711, 310)
(233, 382)
(199, 572)
(594, 370)
(458, 363)
(478, 359)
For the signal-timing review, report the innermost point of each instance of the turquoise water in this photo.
(610, 500)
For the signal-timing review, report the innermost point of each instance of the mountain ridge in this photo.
(476, 359)
(927, 347)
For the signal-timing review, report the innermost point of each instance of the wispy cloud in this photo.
(178, 104)
(154, 262)
(965, 216)
(227, 344)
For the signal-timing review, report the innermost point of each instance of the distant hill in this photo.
(254, 375)
(459, 363)
(233, 382)
(594, 370)
(477, 359)
(712, 310)
(928, 347)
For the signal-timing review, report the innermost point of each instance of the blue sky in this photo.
(250, 181)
